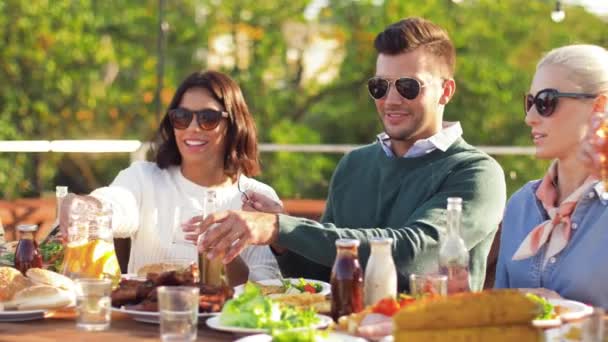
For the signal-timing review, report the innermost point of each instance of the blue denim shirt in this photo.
(579, 271)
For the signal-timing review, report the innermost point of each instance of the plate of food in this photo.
(557, 311)
(153, 317)
(33, 296)
(215, 323)
(137, 297)
(272, 287)
(320, 336)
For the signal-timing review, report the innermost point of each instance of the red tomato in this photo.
(309, 288)
(386, 306)
(405, 301)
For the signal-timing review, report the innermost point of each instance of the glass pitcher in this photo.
(89, 252)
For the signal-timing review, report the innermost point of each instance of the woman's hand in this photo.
(257, 202)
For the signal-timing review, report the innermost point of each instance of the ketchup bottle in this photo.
(27, 254)
(346, 280)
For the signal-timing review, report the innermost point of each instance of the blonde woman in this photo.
(553, 236)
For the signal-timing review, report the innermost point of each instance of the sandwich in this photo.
(40, 297)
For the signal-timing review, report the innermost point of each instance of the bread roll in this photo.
(40, 276)
(11, 282)
(40, 297)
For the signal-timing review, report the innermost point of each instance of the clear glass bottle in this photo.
(211, 271)
(90, 252)
(453, 253)
(346, 280)
(55, 233)
(380, 272)
(27, 254)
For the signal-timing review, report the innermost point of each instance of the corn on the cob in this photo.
(487, 308)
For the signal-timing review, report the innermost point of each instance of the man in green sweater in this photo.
(397, 187)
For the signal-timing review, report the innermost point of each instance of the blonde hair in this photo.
(586, 65)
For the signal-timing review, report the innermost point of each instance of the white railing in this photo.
(138, 149)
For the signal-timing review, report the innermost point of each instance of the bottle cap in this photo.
(61, 191)
(454, 200)
(27, 227)
(381, 241)
(347, 243)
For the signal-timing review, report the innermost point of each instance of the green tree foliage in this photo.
(87, 69)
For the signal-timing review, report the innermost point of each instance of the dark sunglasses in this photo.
(207, 119)
(546, 100)
(408, 88)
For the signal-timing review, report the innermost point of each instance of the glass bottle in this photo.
(27, 254)
(346, 280)
(90, 252)
(453, 253)
(380, 272)
(55, 233)
(211, 271)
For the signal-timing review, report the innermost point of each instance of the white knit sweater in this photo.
(146, 201)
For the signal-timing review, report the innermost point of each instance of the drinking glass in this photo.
(178, 307)
(428, 284)
(93, 304)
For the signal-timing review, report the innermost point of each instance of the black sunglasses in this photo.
(546, 100)
(407, 87)
(207, 119)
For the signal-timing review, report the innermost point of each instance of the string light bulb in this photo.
(558, 14)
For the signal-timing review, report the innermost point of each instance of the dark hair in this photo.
(241, 137)
(411, 33)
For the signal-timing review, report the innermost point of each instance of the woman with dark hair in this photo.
(206, 141)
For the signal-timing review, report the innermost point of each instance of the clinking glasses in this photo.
(407, 87)
(546, 100)
(207, 119)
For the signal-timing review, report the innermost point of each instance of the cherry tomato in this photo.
(386, 306)
(309, 288)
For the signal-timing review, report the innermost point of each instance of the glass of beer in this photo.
(598, 127)
(211, 271)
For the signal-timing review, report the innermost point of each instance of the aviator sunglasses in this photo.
(546, 100)
(407, 87)
(207, 119)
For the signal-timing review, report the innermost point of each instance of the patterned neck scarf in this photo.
(556, 231)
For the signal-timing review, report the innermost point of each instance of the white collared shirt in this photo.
(442, 140)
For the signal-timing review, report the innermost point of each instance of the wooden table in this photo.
(61, 326)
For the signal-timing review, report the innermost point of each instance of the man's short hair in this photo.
(412, 33)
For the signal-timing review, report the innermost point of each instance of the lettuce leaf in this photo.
(253, 310)
(548, 311)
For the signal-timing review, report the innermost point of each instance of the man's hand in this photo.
(257, 202)
(227, 233)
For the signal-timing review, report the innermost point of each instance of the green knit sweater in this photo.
(373, 195)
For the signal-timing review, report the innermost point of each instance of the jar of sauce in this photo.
(27, 254)
(346, 280)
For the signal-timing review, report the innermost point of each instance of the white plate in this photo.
(214, 323)
(331, 337)
(576, 310)
(18, 316)
(325, 287)
(153, 316)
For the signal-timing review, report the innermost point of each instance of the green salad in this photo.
(548, 310)
(307, 335)
(302, 286)
(251, 309)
